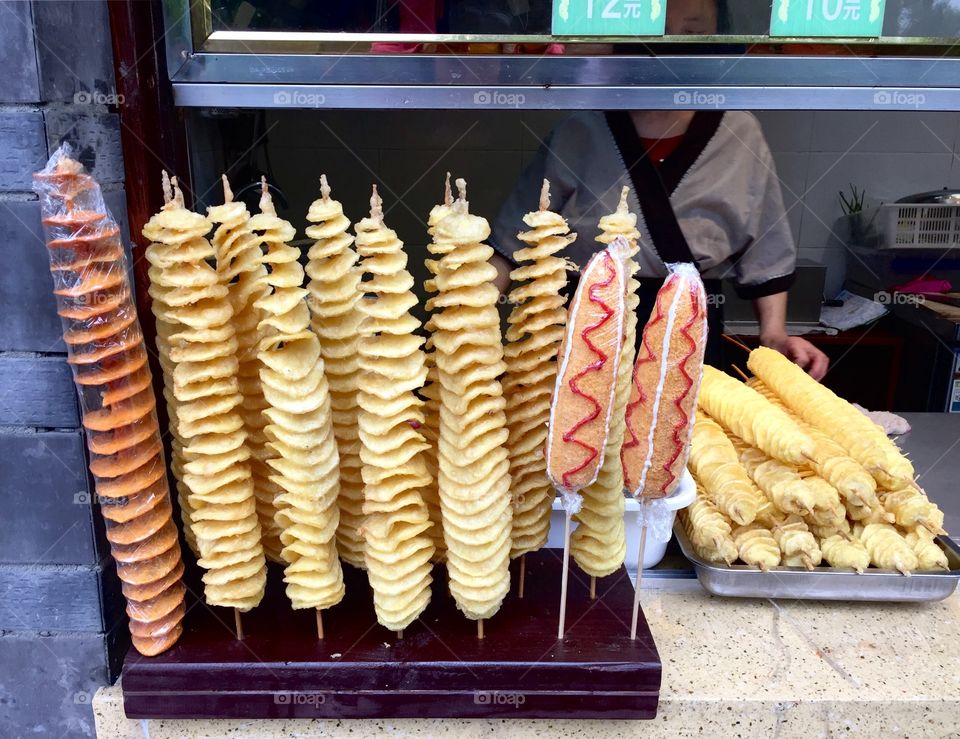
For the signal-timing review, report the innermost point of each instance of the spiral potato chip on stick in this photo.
(474, 478)
(841, 551)
(536, 329)
(107, 356)
(203, 353)
(757, 546)
(165, 328)
(430, 392)
(780, 482)
(797, 545)
(746, 413)
(334, 287)
(709, 530)
(829, 459)
(599, 543)
(301, 447)
(397, 527)
(888, 550)
(714, 460)
(912, 508)
(929, 555)
(819, 406)
(238, 264)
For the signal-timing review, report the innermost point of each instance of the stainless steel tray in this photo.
(824, 583)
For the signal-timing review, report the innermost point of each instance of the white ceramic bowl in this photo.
(654, 550)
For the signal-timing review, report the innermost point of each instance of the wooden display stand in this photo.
(439, 670)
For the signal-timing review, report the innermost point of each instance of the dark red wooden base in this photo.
(439, 669)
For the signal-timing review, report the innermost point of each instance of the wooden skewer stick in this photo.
(400, 634)
(593, 587)
(740, 372)
(733, 341)
(319, 624)
(563, 581)
(238, 624)
(523, 574)
(479, 628)
(636, 592)
(935, 530)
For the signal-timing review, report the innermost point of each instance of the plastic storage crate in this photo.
(906, 226)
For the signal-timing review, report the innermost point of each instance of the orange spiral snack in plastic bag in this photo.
(106, 352)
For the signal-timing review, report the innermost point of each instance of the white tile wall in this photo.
(817, 153)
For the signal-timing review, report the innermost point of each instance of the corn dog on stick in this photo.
(301, 449)
(398, 544)
(746, 413)
(888, 550)
(929, 555)
(840, 551)
(757, 546)
(714, 460)
(797, 545)
(829, 459)
(334, 287)
(911, 508)
(238, 264)
(864, 440)
(474, 479)
(599, 543)
(203, 354)
(536, 329)
(709, 532)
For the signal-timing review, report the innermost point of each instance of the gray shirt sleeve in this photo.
(767, 263)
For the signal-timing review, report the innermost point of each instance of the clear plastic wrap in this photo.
(107, 355)
(664, 387)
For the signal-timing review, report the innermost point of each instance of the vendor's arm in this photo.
(772, 314)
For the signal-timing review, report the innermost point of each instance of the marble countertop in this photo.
(730, 668)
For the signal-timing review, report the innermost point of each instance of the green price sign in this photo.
(609, 17)
(831, 18)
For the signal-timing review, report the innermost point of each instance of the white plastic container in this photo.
(654, 548)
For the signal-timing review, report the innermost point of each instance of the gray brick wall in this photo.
(59, 605)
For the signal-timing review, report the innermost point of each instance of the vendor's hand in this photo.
(802, 352)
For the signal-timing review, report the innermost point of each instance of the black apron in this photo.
(654, 185)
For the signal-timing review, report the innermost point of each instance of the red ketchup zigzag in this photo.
(634, 440)
(678, 443)
(570, 435)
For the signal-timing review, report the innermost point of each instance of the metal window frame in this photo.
(266, 69)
